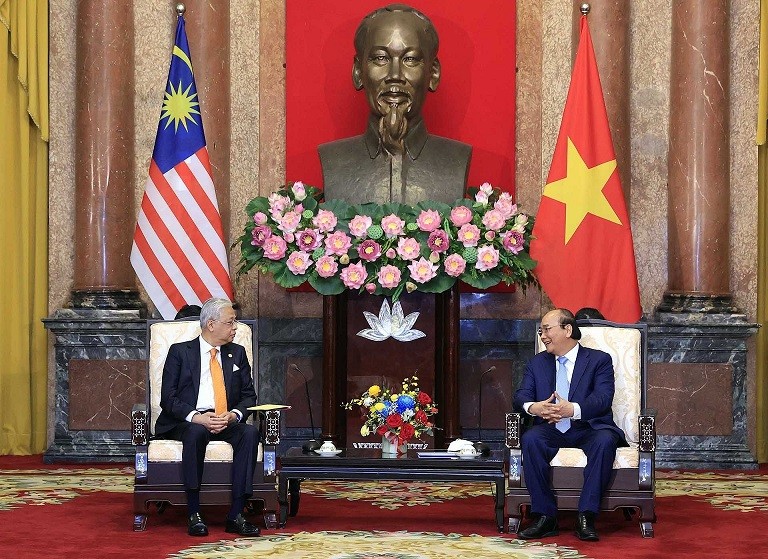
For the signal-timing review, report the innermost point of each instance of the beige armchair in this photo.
(158, 462)
(632, 486)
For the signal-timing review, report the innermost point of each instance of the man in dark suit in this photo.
(568, 389)
(206, 392)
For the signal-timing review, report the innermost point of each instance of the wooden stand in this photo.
(352, 363)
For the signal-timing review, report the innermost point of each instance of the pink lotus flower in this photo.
(259, 218)
(469, 235)
(438, 241)
(455, 265)
(487, 258)
(391, 253)
(422, 270)
(494, 220)
(353, 276)
(325, 221)
(308, 239)
(389, 276)
(490, 235)
(275, 247)
(461, 215)
(392, 226)
(408, 248)
(428, 220)
(505, 205)
(338, 243)
(359, 225)
(481, 198)
(289, 222)
(486, 188)
(299, 192)
(260, 234)
(369, 250)
(512, 241)
(278, 204)
(370, 287)
(326, 266)
(298, 262)
(521, 220)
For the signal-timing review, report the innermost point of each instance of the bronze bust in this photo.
(396, 159)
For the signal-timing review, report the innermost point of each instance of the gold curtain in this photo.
(762, 241)
(24, 224)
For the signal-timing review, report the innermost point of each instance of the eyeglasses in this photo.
(228, 323)
(546, 329)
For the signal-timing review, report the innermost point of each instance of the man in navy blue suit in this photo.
(568, 389)
(188, 401)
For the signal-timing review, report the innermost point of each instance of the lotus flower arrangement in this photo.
(398, 416)
(385, 249)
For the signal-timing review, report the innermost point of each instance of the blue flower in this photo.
(404, 402)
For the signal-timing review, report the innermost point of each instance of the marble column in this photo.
(699, 160)
(609, 26)
(104, 220)
(207, 25)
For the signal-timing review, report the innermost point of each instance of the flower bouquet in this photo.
(398, 417)
(384, 249)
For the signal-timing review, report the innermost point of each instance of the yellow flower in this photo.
(393, 397)
(364, 431)
(378, 406)
(374, 390)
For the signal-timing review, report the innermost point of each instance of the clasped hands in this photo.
(551, 411)
(215, 423)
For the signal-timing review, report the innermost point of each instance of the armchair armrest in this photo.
(647, 421)
(513, 432)
(140, 438)
(139, 425)
(513, 429)
(647, 447)
(269, 424)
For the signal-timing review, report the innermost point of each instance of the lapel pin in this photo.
(229, 355)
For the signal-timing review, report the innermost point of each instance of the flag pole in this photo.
(180, 9)
(584, 9)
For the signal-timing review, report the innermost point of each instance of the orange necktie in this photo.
(219, 392)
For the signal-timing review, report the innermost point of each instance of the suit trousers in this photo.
(540, 444)
(244, 439)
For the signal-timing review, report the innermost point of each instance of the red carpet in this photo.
(86, 511)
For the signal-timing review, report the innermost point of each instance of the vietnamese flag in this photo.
(582, 236)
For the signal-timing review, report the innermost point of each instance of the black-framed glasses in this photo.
(546, 329)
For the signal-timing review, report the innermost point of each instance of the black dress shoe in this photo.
(197, 525)
(544, 527)
(585, 527)
(242, 527)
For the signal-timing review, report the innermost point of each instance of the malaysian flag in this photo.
(178, 252)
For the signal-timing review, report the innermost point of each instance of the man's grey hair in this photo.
(212, 310)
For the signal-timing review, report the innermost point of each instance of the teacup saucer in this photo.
(328, 452)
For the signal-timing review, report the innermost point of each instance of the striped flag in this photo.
(178, 252)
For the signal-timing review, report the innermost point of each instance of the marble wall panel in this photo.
(102, 392)
(691, 398)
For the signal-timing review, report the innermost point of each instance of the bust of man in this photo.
(396, 159)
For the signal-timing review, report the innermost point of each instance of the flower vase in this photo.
(392, 449)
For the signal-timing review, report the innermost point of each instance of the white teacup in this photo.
(327, 446)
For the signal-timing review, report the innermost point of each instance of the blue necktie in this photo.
(562, 386)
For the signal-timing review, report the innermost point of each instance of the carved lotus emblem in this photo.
(391, 324)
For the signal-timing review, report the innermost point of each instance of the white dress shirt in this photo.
(205, 399)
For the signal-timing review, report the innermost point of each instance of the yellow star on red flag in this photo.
(582, 191)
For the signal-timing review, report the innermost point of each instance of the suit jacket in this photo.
(592, 386)
(181, 382)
